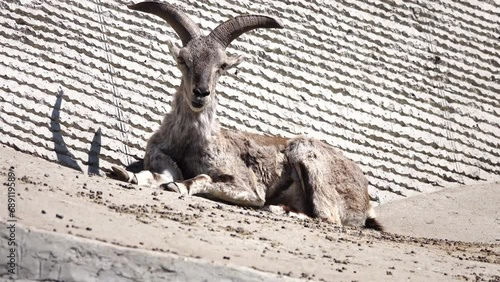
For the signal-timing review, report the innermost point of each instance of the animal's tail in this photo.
(373, 223)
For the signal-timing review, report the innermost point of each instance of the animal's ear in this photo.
(174, 50)
(233, 61)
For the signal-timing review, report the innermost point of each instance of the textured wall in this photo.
(408, 89)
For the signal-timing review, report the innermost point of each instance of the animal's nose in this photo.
(200, 92)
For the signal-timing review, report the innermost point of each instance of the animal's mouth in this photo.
(197, 105)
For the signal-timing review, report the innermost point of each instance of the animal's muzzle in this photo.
(200, 97)
(201, 92)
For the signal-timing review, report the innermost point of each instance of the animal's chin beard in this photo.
(195, 107)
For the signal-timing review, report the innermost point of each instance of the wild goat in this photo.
(300, 174)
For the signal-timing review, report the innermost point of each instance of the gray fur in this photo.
(302, 174)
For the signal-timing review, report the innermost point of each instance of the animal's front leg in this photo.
(229, 189)
(160, 169)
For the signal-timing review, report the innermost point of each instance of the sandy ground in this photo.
(446, 236)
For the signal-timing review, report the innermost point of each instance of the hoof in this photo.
(175, 187)
(120, 173)
(124, 175)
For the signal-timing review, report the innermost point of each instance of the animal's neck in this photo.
(194, 126)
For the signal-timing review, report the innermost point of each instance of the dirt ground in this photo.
(446, 236)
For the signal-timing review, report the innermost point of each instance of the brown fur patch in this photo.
(156, 176)
(188, 182)
(289, 209)
(223, 178)
(264, 140)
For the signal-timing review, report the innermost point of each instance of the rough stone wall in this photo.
(408, 89)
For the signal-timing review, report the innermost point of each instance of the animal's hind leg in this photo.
(317, 203)
(334, 187)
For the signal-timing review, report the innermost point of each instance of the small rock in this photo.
(59, 216)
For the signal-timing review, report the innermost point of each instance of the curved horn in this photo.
(226, 32)
(182, 24)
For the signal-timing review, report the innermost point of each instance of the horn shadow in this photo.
(94, 152)
(64, 156)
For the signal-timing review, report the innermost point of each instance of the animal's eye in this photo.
(223, 66)
(181, 61)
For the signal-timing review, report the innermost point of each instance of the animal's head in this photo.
(203, 59)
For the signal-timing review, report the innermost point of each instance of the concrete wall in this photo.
(408, 89)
